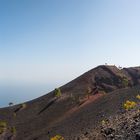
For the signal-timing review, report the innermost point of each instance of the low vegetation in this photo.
(13, 130)
(3, 126)
(103, 122)
(57, 137)
(129, 105)
(121, 127)
(128, 123)
(125, 81)
(58, 92)
(138, 96)
(11, 104)
(23, 106)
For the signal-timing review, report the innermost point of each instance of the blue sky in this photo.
(50, 42)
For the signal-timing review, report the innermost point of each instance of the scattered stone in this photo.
(86, 133)
(138, 136)
(109, 131)
(120, 127)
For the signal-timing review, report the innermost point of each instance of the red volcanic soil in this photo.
(83, 104)
(92, 99)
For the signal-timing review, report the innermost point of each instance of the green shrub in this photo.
(125, 82)
(3, 126)
(23, 106)
(138, 96)
(57, 92)
(129, 105)
(13, 130)
(11, 104)
(57, 137)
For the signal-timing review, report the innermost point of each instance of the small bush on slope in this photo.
(58, 92)
(6, 131)
(138, 96)
(3, 126)
(129, 105)
(57, 137)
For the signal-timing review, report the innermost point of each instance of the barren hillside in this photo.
(74, 109)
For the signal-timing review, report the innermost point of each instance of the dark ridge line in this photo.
(18, 109)
(134, 78)
(47, 106)
(115, 77)
(109, 71)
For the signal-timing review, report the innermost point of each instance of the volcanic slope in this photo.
(82, 105)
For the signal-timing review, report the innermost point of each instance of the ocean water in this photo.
(21, 93)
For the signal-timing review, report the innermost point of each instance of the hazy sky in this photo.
(53, 41)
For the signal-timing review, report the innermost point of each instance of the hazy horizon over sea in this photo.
(22, 93)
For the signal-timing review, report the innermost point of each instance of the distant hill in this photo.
(75, 109)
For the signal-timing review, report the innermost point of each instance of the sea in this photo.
(21, 93)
